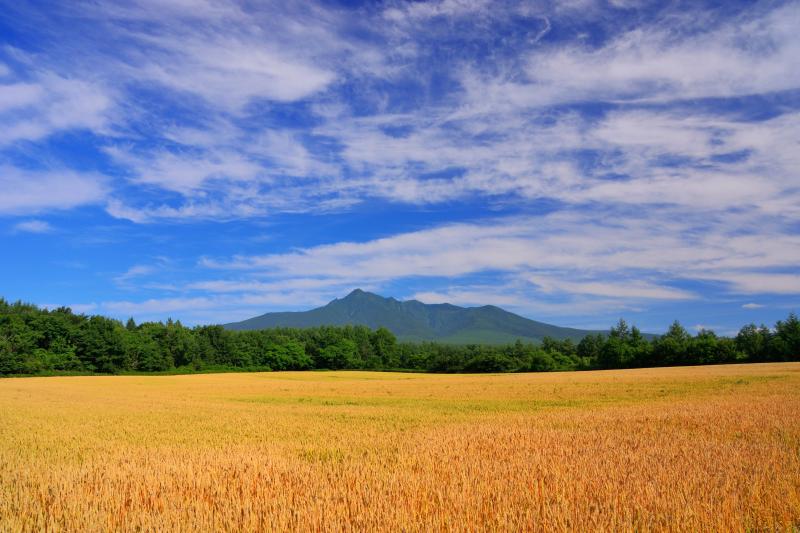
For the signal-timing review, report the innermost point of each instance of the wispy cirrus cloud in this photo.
(220, 51)
(560, 240)
(745, 55)
(48, 103)
(133, 272)
(490, 131)
(33, 191)
(33, 226)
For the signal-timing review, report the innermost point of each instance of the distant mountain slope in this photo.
(415, 321)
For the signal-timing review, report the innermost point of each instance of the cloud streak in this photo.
(33, 226)
(28, 191)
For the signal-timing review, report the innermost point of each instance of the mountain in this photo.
(415, 321)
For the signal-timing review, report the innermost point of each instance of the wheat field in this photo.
(683, 449)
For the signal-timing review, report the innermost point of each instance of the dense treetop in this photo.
(40, 341)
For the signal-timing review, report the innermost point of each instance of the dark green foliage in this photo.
(339, 354)
(38, 341)
(491, 362)
(672, 348)
(590, 346)
(753, 342)
(101, 345)
(785, 343)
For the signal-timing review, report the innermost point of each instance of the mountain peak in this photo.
(415, 321)
(355, 292)
(358, 295)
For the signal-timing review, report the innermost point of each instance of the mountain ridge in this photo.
(412, 320)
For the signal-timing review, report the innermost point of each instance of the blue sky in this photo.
(574, 161)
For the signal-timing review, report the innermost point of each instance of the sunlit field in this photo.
(690, 449)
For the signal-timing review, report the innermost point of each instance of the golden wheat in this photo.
(688, 449)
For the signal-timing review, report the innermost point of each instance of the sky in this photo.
(572, 161)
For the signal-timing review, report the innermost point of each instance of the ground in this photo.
(693, 448)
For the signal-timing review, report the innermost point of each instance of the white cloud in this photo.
(762, 282)
(188, 172)
(146, 10)
(260, 287)
(703, 189)
(494, 138)
(224, 53)
(414, 12)
(33, 226)
(631, 289)
(51, 103)
(210, 309)
(663, 133)
(288, 155)
(745, 56)
(160, 305)
(228, 71)
(16, 95)
(636, 259)
(447, 251)
(134, 272)
(25, 191)
(752, 306)
(471, 297)
(533, 159)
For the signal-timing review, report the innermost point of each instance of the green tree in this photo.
(385, 345)
(753, 342)
(785, 343)
(640, 351)
(101, 347)
(17, 344)
(342, 354)
(589, 348)
(616, 352)
(671, 348)
(491, 362)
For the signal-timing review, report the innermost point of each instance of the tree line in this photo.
(42, 341)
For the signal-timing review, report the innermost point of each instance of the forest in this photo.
(36, 341)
